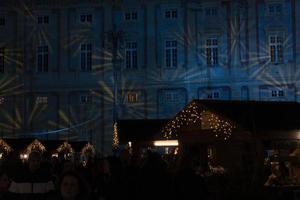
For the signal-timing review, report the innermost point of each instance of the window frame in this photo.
(171, 54)
(42, 58)
(132, 97)
(131, 55)
(171, 14)
(212, 51)
(85, 99)
(86, 57)
(276, 48)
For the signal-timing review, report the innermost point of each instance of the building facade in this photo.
(71, 69)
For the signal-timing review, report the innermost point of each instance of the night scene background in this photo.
(156, 99)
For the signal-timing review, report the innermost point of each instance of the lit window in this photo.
(86, 99)
(131, 55)
(171, 53)
(132, 97)
(42, 58)
(41, 100)
(276, 49)
(86, 57)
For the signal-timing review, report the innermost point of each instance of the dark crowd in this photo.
(148, 176)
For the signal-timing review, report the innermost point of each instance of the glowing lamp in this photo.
(166, 143)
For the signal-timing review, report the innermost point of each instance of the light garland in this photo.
(115, 136)
(35, 145)
(4, 147)
(88, 150)
(193, 114)
(65, 148)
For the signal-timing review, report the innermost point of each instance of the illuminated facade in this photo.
(70, 69)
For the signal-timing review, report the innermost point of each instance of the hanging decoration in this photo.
(88, 150)
(65, 148)
(193, 114)
(36, 145)
(115, 136)
(4, 147)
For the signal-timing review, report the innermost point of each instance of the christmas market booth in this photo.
(22, 147)
(236, 134)
(138, 135)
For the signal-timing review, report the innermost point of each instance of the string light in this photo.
(4, 147)
(35, 145)
(115, 136)
(65, 148)
(193, 114)
(88, 150)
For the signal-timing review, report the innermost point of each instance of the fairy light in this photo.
(66, 148)
(4, 146)
(88, 149)
(193, 114)
(115, 136)
(35, 145)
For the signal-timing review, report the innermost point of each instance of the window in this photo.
(86, 18)
(131, 16)
(276, 49)
(275, 8)
(42, 56)
(43, 19)
(213, 11)
(212, 51)
(86, 57)
(171, 53)
(213, 95)
(172, 97)
(131, 55)
(2, 58)
(86, 99)
(132, 97)
(2, 21)
(171, 14)
(41, 100)
(2, 100)
(277, 93)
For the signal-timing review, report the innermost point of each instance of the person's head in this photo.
(34, 161)
(71, 186)
(4, 181)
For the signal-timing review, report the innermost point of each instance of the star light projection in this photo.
(195, 114)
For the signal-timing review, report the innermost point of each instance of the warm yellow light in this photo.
(166, 143)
